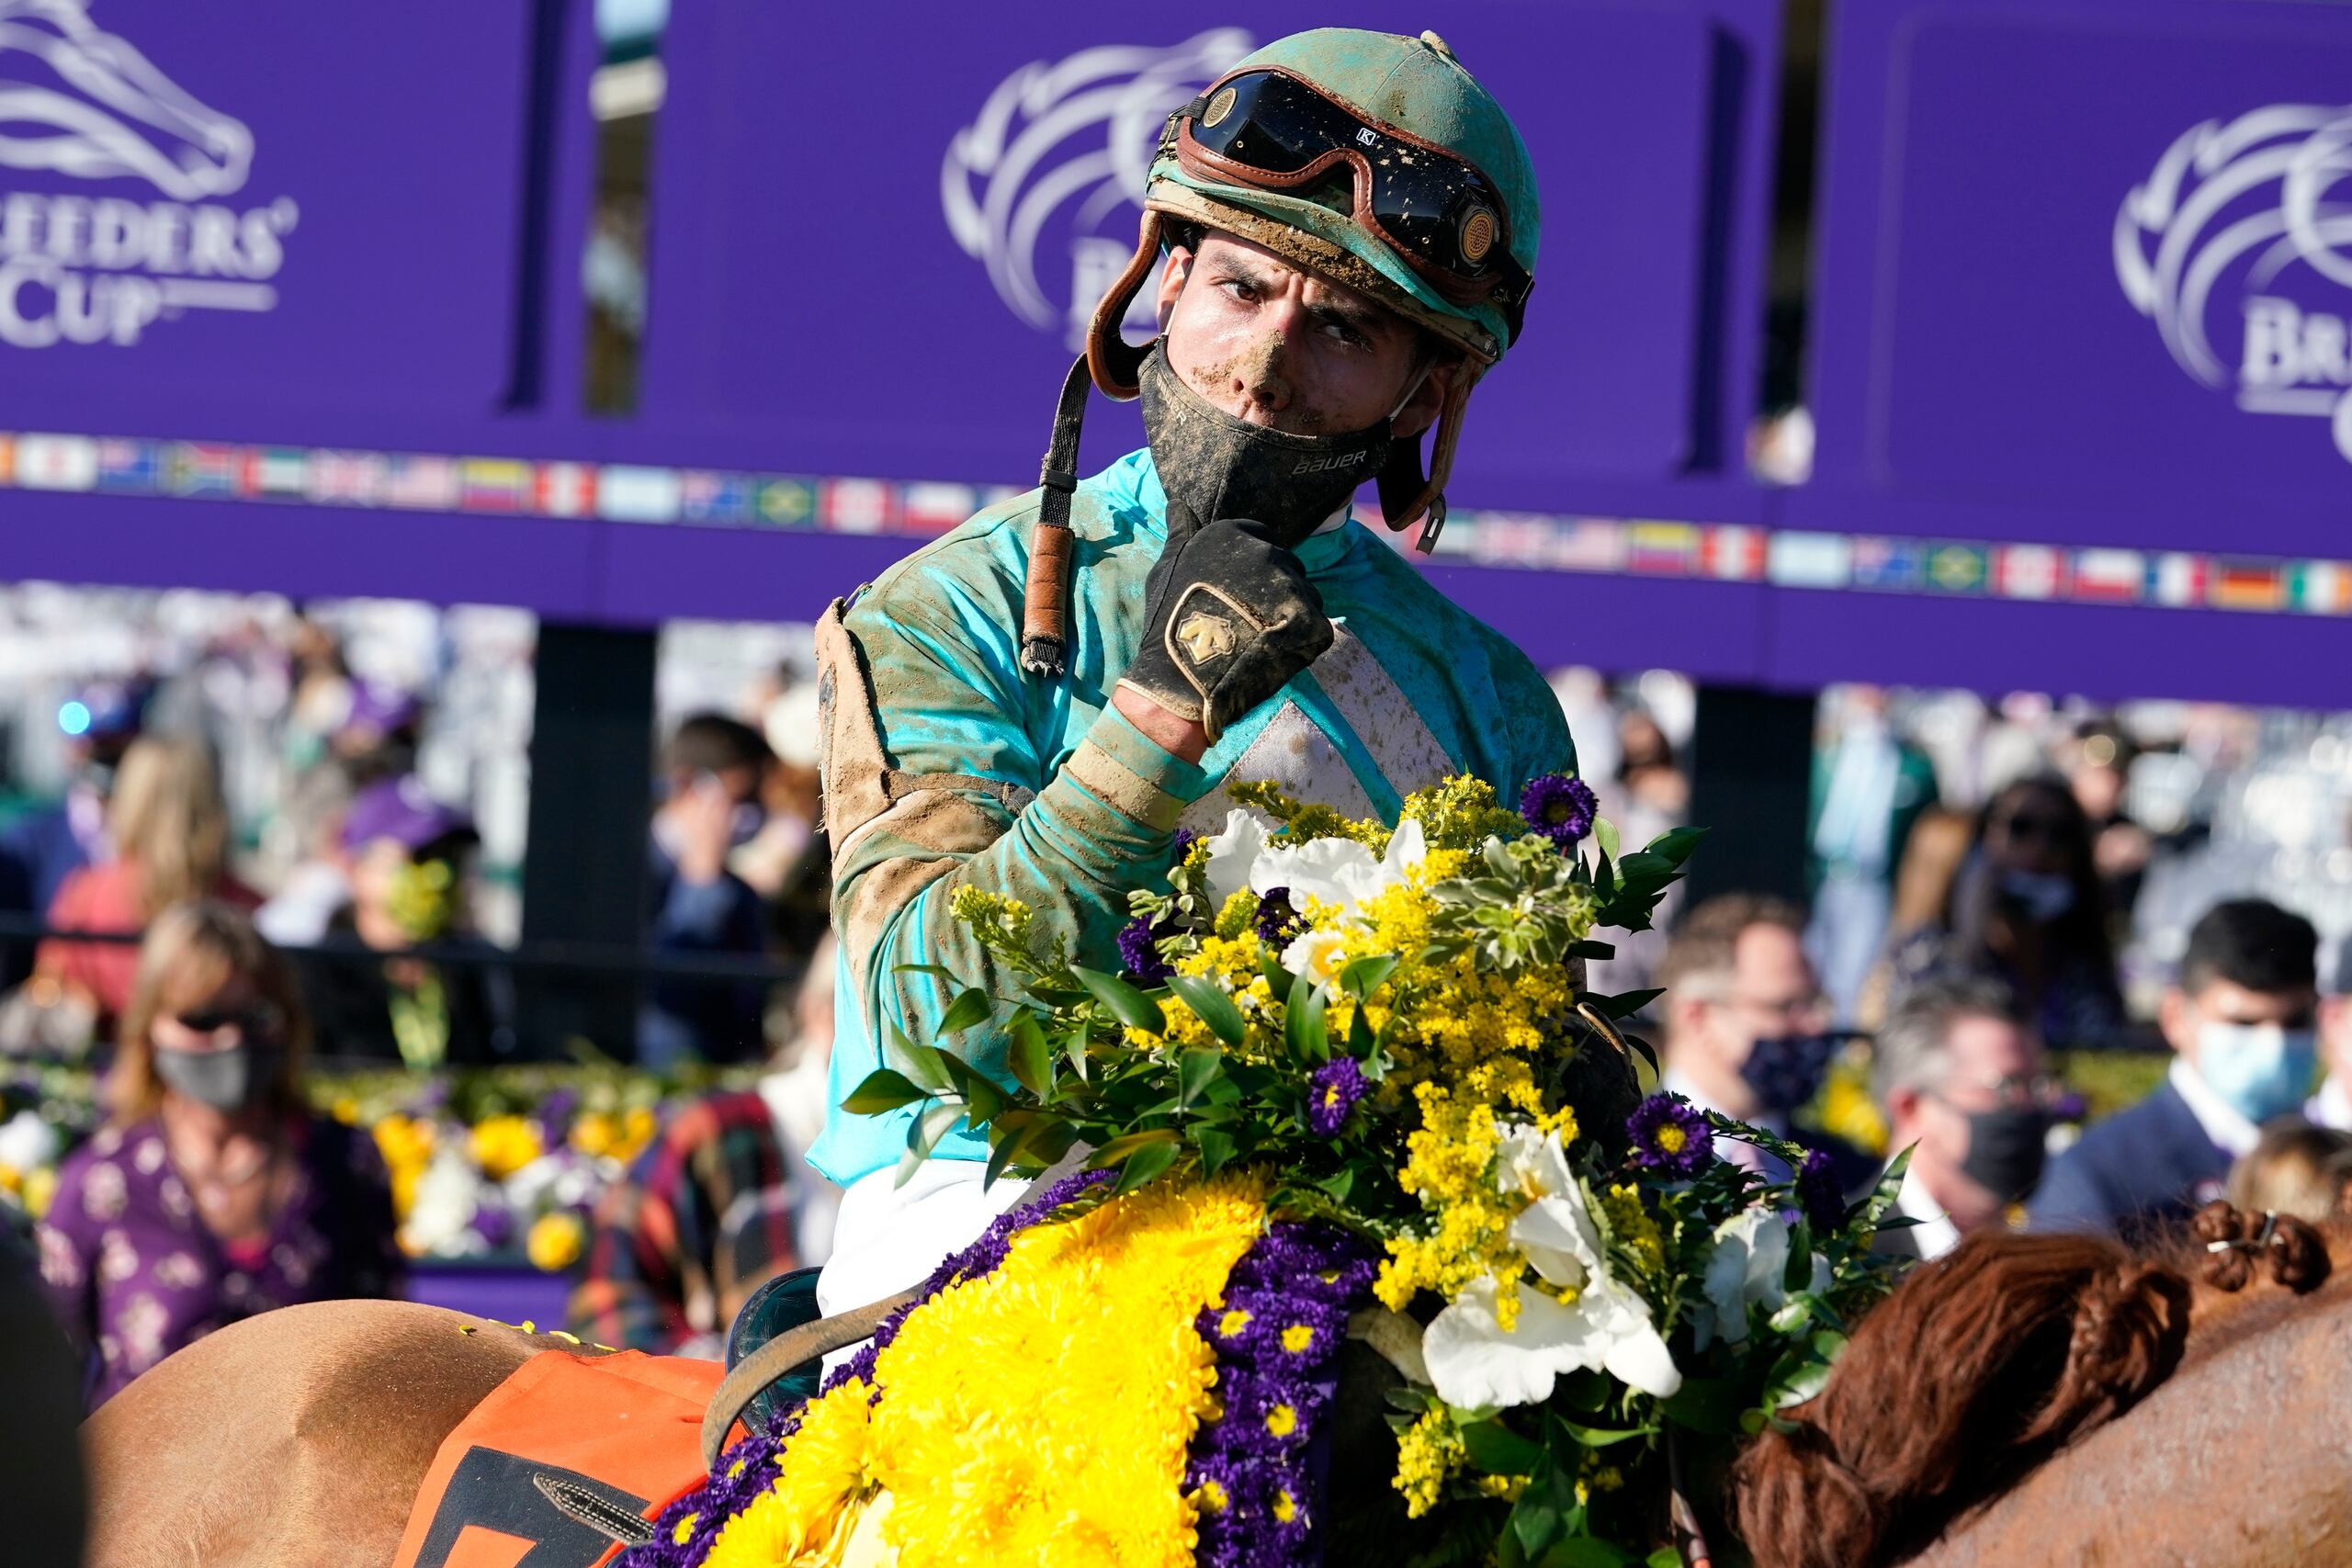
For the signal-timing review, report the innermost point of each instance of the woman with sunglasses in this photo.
(211, 1194)
(2026, 906)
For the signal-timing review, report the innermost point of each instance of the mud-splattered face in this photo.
(1280, 347)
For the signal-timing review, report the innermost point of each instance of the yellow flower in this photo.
(1232, 1322)
(345, 1110)
(1210, 1499)
(976, 1407)
(40, 1187)
(1427, 1453)
(1297, 1338)
(683, 1529)
(505, 1144)
(595, 1133)
(1285, 1508)
(555, 1241)
(1282, 1420)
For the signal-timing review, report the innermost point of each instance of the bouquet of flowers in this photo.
(1390, 1030)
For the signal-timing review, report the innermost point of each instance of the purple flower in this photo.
(1182, 846)
(1817, 1192)
(1672, 1137)
(1331, 1093)
(1560, 806)
(1278, 923)
(1139, 951)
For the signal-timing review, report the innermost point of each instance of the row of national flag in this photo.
(624, 492)
(1872, 563)
(619, 492)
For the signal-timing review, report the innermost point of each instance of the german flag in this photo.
(2247, 585)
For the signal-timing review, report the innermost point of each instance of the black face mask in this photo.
(1220, 468)
(2005, 1149)
(1784, 1070)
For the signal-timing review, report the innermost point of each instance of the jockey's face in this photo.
(1278, 346)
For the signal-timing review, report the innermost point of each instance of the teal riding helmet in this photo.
(1412, 87)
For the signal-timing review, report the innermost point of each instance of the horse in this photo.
(2026, 1399)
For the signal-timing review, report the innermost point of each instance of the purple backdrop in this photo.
(844, 258)
(2083, 280)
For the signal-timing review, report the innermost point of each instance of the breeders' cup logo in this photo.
(1057, 159)
(2236, 221)
(80, 103)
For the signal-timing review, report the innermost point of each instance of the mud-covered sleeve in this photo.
(933, 782)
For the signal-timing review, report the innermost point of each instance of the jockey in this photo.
(1033, 704)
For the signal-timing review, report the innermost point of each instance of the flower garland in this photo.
(969, 1399)
(685, 1531)
(1276, 1331)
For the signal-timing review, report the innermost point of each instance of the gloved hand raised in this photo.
(1228, 618)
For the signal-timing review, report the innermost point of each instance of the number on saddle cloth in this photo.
(778, 1307)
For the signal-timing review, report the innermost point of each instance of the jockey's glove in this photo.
(1228, 618)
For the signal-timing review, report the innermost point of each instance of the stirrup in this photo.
(776, 1308)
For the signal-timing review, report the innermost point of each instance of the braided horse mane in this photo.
(1986, 1364)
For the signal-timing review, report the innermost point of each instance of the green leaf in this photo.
(1303, 1026)
(1664, 1557)
(1218, 1148)
(1587, 1551)
(1026, 1053)
(921, 1061)
(1676, 844)
(923, 1136)
(1279, 980)
(1602, 1436)
(1626, 1004)
(1074, 1048)
(1130, 1006)
(1361, 977)
(939, 969)
(1799, 1386)
(1145, 1166)
(972, 1007)
(1495, 1450)
(1339, 1184)
(1604, 838)
(983, 1101)
(1211, 1006)
(1195, 1070)
(1120, 1148)
(1535, 1523)
(881, 1091)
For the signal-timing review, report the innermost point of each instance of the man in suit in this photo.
(2242, 1023)
(1960, 1079)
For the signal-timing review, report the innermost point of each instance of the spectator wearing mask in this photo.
(723, 1200)
(1743, 1024)
(406, 854)
(169, 836)
(2240, 1022)
(2026, 908)
(213, 1194)
(713, 769)
(1960, 1081)
(1868, 787)
(2295, 1168)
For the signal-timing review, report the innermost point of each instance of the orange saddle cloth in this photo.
(565, 1462)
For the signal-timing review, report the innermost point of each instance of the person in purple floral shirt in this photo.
(212, 1194)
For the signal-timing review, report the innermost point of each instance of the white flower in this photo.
(1472, 1360)
(446, 1194)
(1233, 848)
(27, 1142)
(1747, 1268)
(1340, 872)
(1314, 956)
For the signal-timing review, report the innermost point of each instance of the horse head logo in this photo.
(79, 101)
(1074, 137)
(2253, 190)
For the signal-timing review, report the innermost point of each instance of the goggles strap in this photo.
(1044, 596)
(1404, 494)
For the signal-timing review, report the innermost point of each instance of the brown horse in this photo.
(1974, 1421)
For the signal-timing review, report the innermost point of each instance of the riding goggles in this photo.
(1269, 130)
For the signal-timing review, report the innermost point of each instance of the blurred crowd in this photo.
(245, 847)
